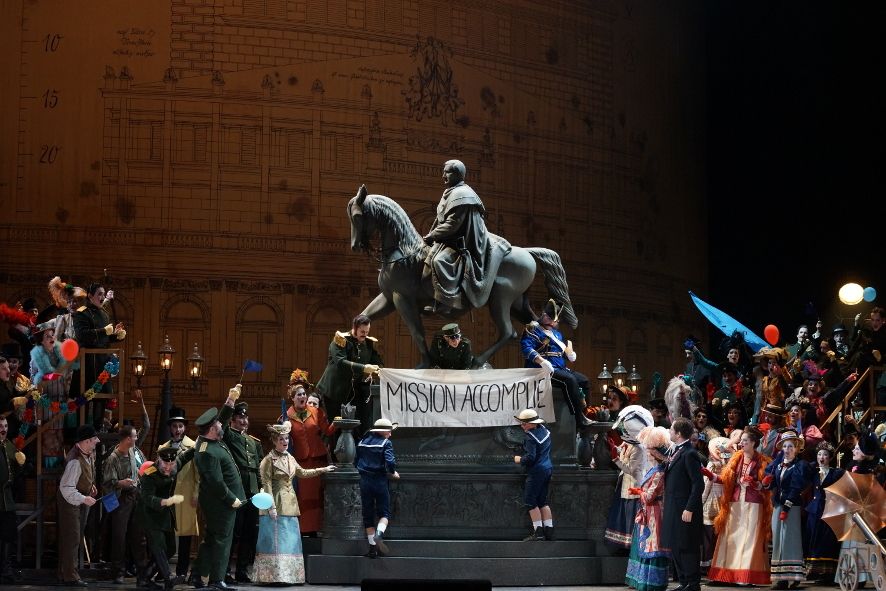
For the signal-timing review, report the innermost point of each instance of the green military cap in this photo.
(207, 418)
(167, 454)
(241, 409)
(451, 330)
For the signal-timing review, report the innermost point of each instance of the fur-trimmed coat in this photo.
(732, 491)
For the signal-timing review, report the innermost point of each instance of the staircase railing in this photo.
(868, 379)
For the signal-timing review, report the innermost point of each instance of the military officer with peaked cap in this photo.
(247, 453)
(450, 350)
(221, 494)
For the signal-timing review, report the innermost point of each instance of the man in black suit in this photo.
(682, 529)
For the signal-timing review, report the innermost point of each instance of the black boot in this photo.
(373, 552)
(195, 581)
(536, 535)
(549, 532)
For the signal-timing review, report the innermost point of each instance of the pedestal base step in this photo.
(501, 563)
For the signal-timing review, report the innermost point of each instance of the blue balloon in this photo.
(870, 294)
(262, 501)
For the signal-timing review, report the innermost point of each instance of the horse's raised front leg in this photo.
(380, 307)
(408, 309)
(500, 311)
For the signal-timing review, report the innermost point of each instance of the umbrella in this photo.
(854, 493)
(727, 323)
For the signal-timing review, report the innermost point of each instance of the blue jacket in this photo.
(788, 482)
(537, 449)
(40, 360)
(536, 343)
(375, 455)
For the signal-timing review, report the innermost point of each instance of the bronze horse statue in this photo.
(402, 254)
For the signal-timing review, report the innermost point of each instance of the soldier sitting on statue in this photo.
(543, 345)
(450, 350)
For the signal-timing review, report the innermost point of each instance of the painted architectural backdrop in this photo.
(203, 151)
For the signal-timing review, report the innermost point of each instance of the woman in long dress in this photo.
(309, 425)
(648, 562)
(742, 525)
(823, 547)
(787, 477)
(278, 553)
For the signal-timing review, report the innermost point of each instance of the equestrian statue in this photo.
(458, 266)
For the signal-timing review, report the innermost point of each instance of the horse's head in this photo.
(360, 231)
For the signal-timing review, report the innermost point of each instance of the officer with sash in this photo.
(543, 346)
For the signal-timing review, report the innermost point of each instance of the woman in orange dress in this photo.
(742, 525)
(309, 427)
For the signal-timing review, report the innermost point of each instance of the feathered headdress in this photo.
(300, 376)
(61, 292)
(13, 316)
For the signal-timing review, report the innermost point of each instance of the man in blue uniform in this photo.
(375, 461)
(543, 345)
(536, 460)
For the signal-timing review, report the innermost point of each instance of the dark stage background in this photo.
(795, 129)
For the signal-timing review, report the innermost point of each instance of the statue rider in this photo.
(464, 257)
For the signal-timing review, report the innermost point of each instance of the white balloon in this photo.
(851, 294)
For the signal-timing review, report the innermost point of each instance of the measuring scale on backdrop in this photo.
(70, 55)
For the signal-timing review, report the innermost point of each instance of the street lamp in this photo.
(619, 374)
(605, 379)
(139, 364)
(195, 365)
(166, 352)
(634, 378)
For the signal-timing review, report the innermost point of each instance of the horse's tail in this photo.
(555, 281)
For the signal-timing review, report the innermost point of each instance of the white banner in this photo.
(463, 398)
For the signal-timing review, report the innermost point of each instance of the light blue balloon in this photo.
(262, 501)
(870, 294)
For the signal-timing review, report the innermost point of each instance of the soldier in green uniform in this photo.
(155, 511)
(247, 453)
(349, 368)
(221, 494)
(450, 350)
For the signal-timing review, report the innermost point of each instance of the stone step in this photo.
(465, 548)
(525, 571)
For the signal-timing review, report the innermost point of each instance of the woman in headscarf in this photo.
(648, 562)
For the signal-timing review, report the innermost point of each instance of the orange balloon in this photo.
(70, 349)
(770, 333)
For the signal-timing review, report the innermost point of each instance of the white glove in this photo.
(173, 500)
(369, 368)
(234, 393)
(109, 329)
(20, 458)
(547, 365)
(120, 334)
(857, 318)
(236, 504)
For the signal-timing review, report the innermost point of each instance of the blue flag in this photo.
(251, 365)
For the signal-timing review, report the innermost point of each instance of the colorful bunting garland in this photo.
(111, 369)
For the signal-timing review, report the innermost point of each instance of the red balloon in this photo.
(770, 333)
(70, 349)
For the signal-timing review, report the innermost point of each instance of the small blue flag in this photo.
(251, 365)
(110, 501)
(283, 408)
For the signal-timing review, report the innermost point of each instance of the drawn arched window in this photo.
(637, 341)
(258, 331)
(604, 338)
(665, 346)
(186, 320)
